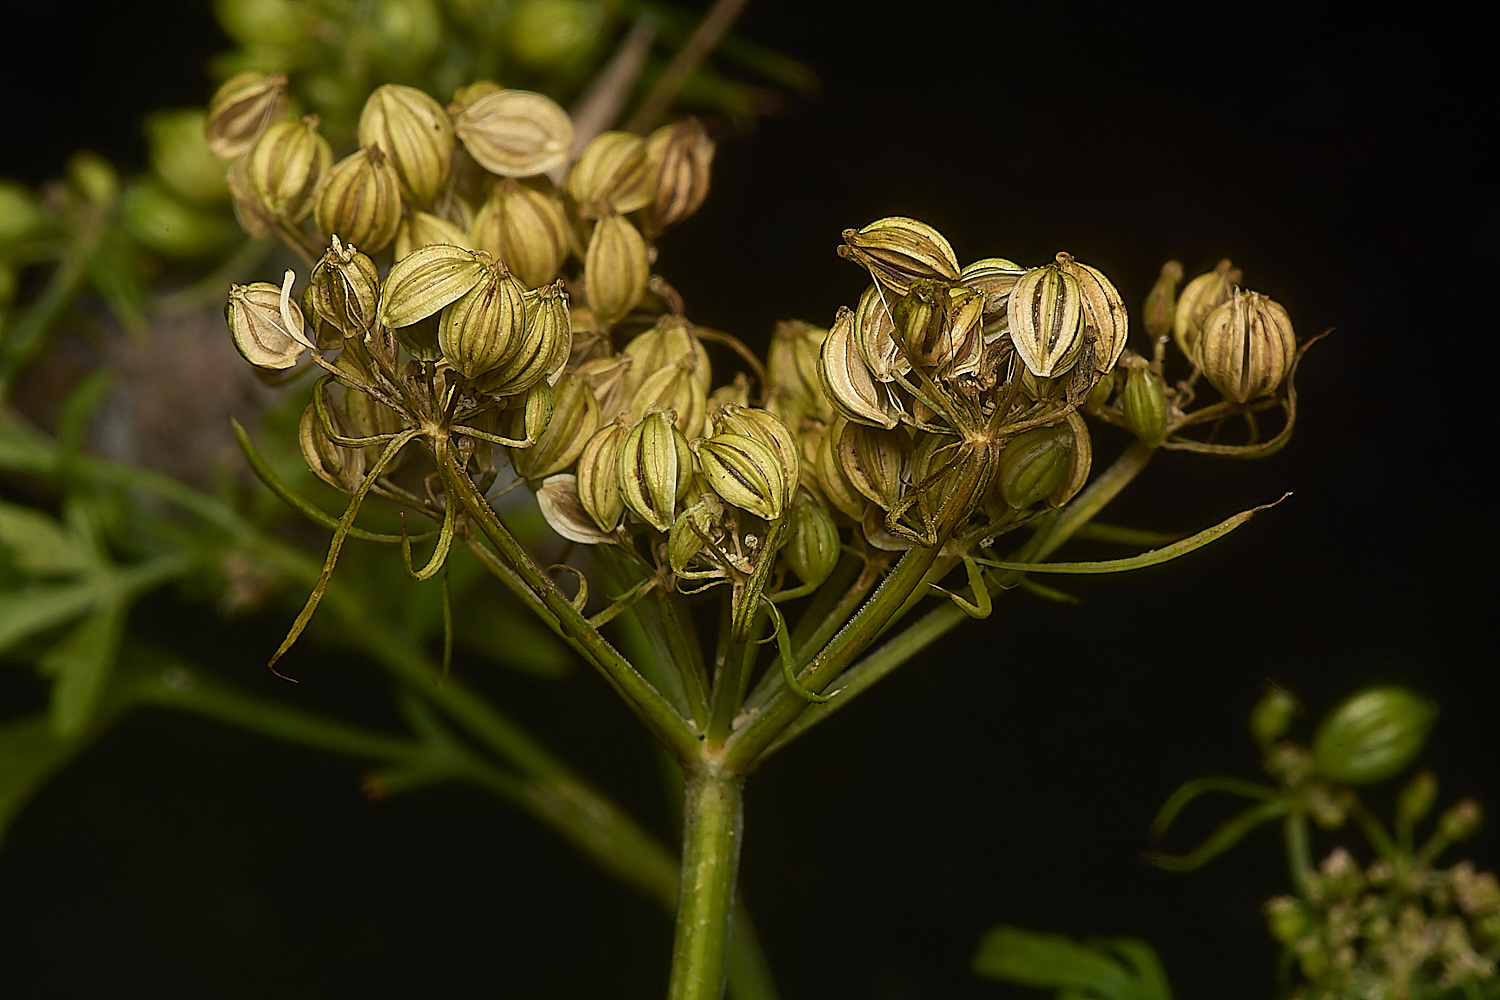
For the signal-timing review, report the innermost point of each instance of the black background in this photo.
(1010, 775)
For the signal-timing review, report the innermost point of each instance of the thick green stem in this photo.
(713, 815)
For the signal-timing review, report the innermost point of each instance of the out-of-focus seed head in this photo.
(1144, 404)
(423, 229)
(286, 165)
(1046, 320)
(360, 200)
(655, 469)
(416, 136)
(610, 176)
(1161, 302)
(599, 473)
(426, 280)
(680, 156)
(515, 133)
(346, 290)
(268, 328)
(575, 419)
(616, 269)
(847, 380)
(898, 250)
(1104, 311)
(563, 508)
(241, 109)
(1372, 735)
(180, 156)
(471, 92)
(1272, 715)
(483, 328)
(812, 542)
(523, 224)
(1200, 297)
(1247, 346)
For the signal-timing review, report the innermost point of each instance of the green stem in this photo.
(941, 620)
(746, 744)
(713, 815)
(648, 703)
(1298, 850)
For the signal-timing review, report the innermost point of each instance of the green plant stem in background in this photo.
(713, 819)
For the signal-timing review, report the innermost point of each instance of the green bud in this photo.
(1272, 715)
(1460, 821)
(745, 472)
(423, 229)
(339, 467)
(484, 328)
(542, 352)
(564, 510)
(21, 214)
(94, 180)
(1286, 919)
(1034, 464)
(812, 546)
(899, 250)
(1104, 311)
(679, 157)
(409, 31)
(286, 165)
(792, 367)
(599, 474)
(677, 388)
(241, 109)
(616, 269)
(416, 136)
(1047, 320)
(692, 526)
(1199, 298)
(1247, 346)
(427, 279)
(767, 428)
(523, 223)
(346, 290)
(360, 201)
(1144, 403)
(1416, 799)
(874, 461)
(267, 326)
(180, 156)
(1161, 301)
(669, 343)
(515, 133)
(655, 469)
(610, 176)
(575, 418)
(1372, 735)
(546, 33)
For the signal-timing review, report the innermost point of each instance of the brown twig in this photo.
(705, 39)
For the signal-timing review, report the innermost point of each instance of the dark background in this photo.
(1012, 773)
